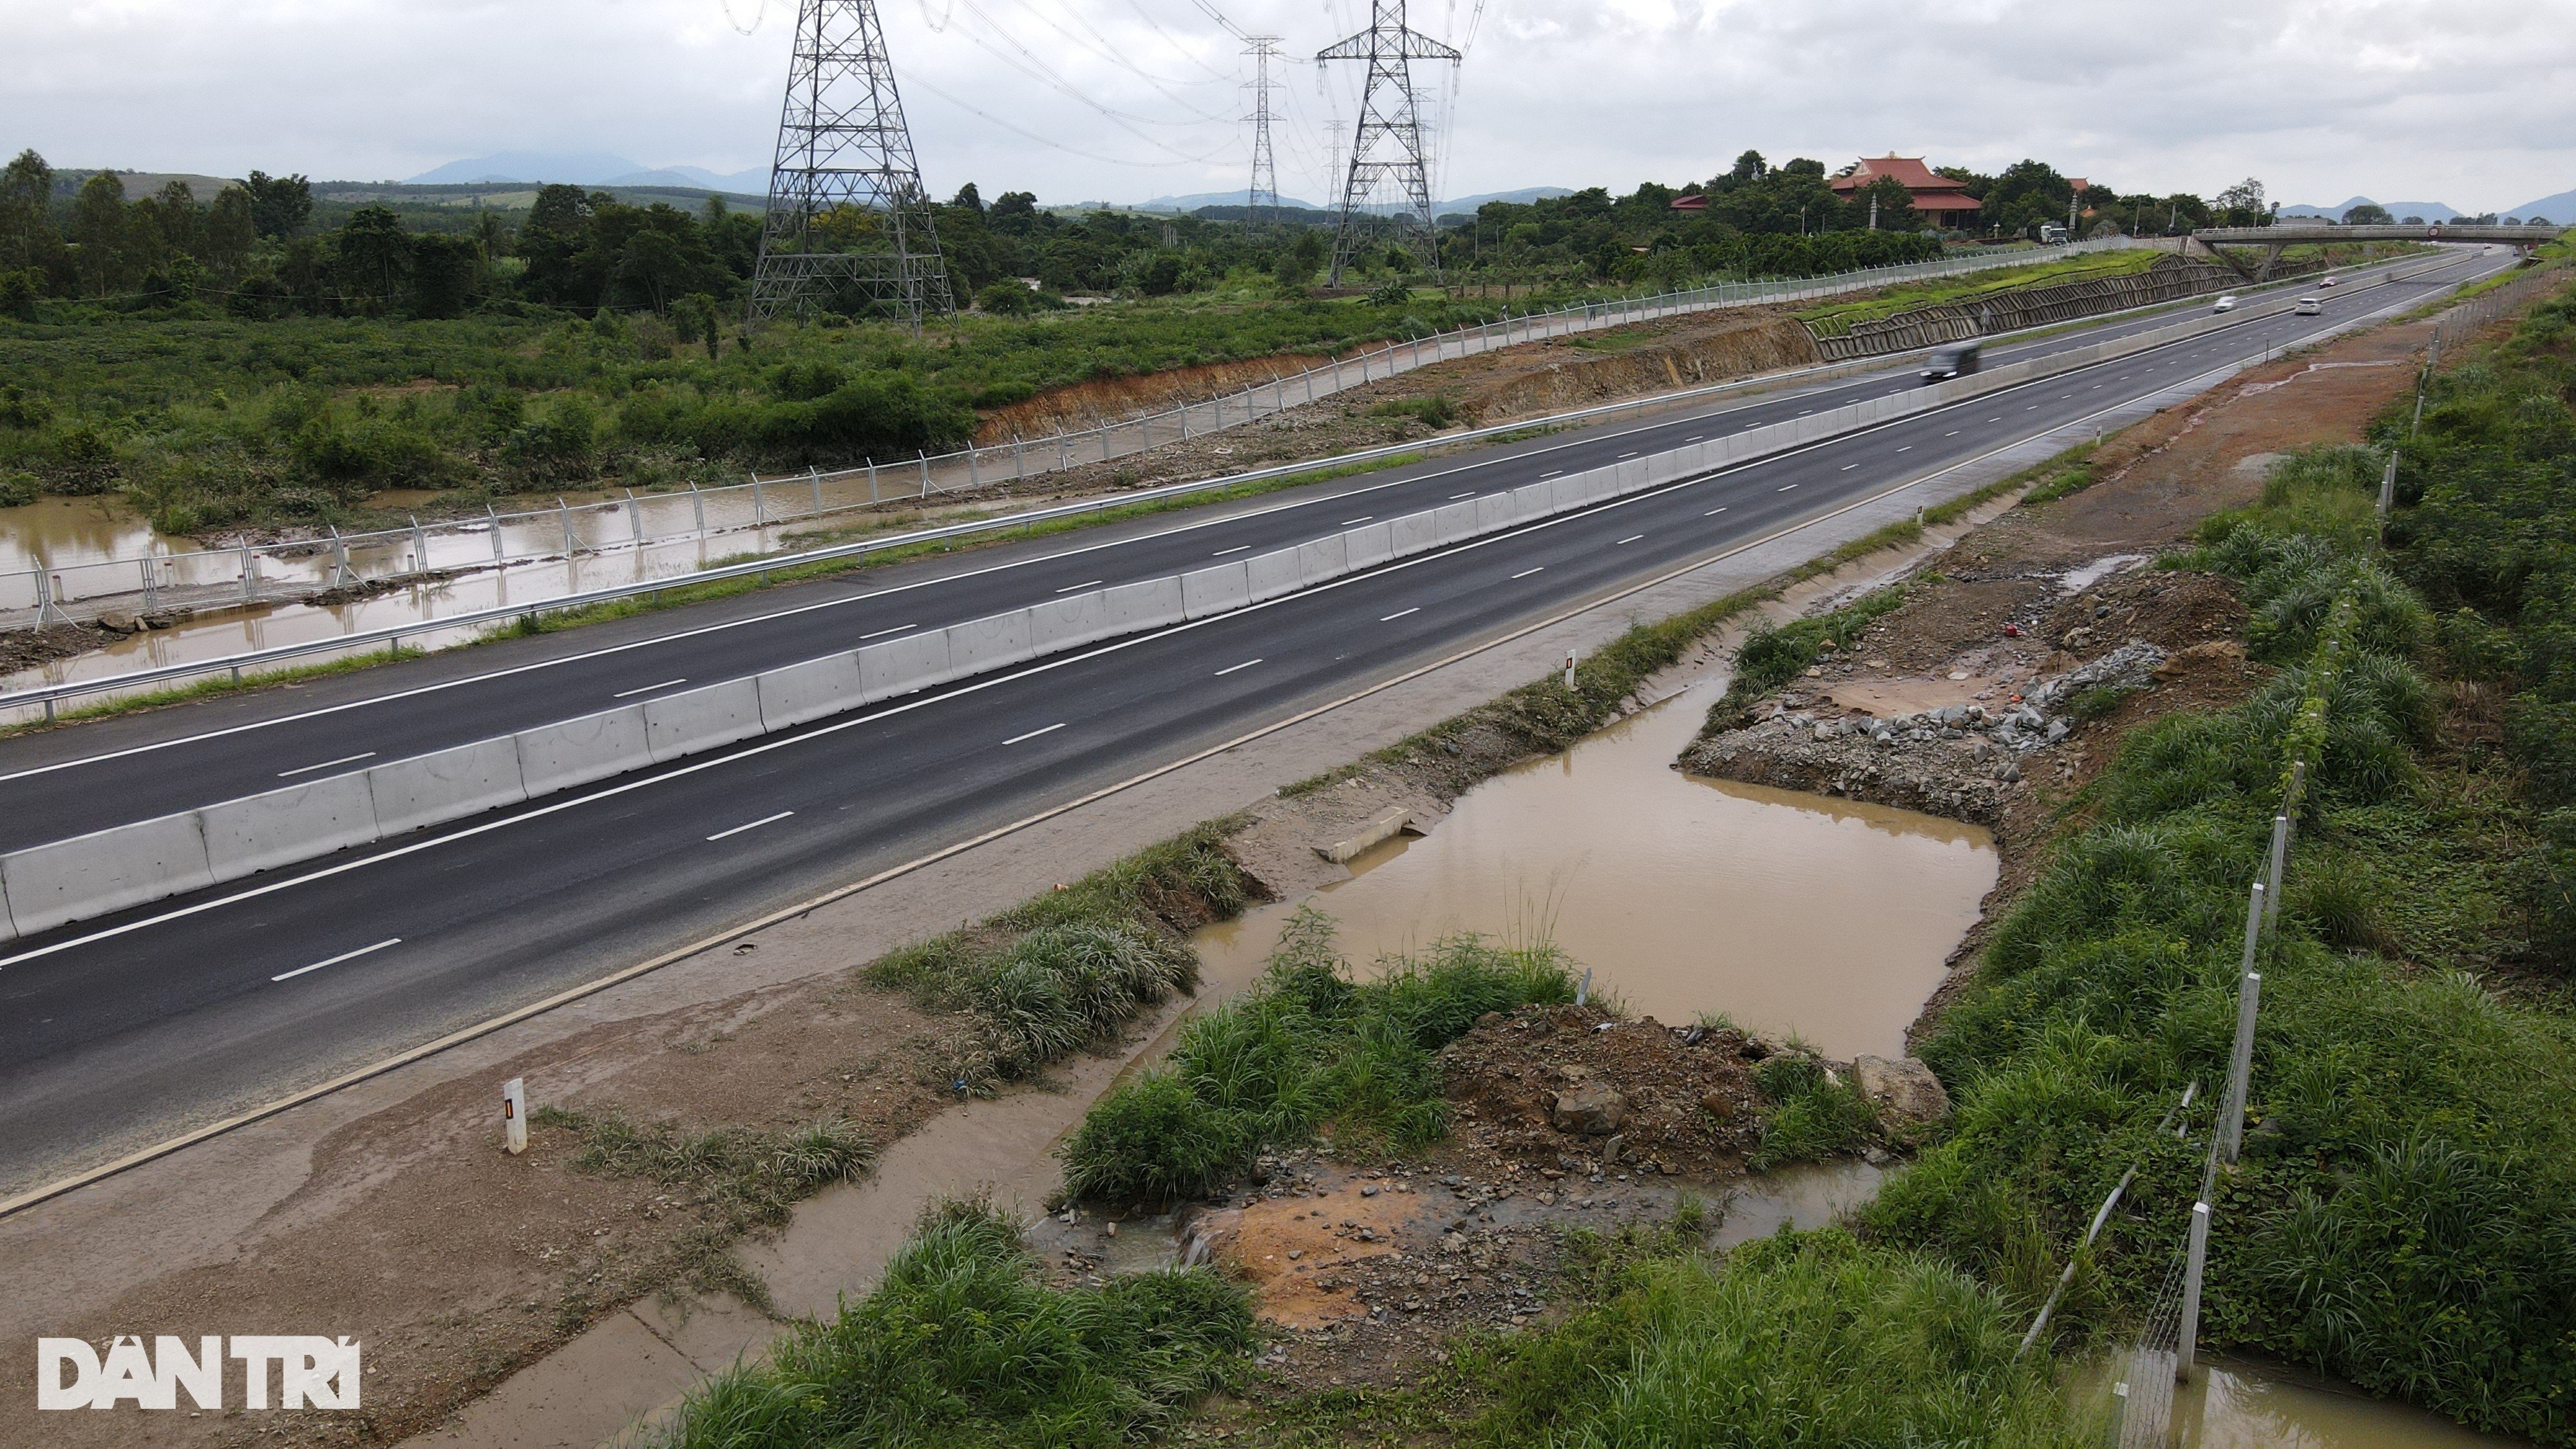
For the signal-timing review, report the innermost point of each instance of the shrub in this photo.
(1306, 1050)
(962, 1343)
(1800, 1339)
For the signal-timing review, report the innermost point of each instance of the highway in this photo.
(116, 1031)
(171, 760)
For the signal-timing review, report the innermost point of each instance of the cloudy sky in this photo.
(2468, 102)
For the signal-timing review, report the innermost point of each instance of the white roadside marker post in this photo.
(514, 1116)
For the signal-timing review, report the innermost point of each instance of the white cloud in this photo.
(2467, 101)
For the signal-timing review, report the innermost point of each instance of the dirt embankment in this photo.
(1089, 403)
(2006, 680)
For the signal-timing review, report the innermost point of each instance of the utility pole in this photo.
(1388, 146)
(846, 207)
(1262, 199)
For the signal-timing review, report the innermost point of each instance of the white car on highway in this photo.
(2309, 307)
(2225, 304)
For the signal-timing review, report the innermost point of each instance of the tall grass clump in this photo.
(1814, 1115)
(1773, 655)
(1066, 968)
(963, 1344)
(1306, 1050)
(2401, 1216)
(1800, 1339)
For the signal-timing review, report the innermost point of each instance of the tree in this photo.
(2242, 204)
(229, 233)
(280, 205)
(443, 272)
(27, 236)
(175, 208)
(1008, 297)
(98, 233)
(551, 238)
(2369, 213)
(375, 256)
(969, 199)
(1748, 167)
(1895, 205)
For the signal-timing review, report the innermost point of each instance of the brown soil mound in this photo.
(1729, 345)
(1086, 404)
(1687, 1094)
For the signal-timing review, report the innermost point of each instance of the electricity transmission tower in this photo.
(1262, 201)
(1388, 151)
(846, 208)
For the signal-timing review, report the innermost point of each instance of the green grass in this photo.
(964, 1344)
(1804, 1339)
(1306, 1052)
(1813, 1116)
(1065, 969)
(2399, 1220)
(215, 688)
(1838, 317)
(1773, 655)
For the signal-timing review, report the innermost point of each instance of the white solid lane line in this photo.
(1229, 669)
(755, 825)
(1398, 614)
(326, 764)
(1033, 734)
(1069, 588)
(1525, 573)
(336, 960)
(1238, 548)
(1631, 538)
(647, 689)
(881, 633)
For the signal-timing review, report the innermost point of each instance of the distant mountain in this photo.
(580, 169)
(2429, 210)
(1197, 199)
(2560, 208)
(1522, 197)
(754, 182)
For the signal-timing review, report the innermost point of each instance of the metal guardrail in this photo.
(249, 573)
(51, 696)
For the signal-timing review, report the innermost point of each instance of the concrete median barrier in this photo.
(1211, 591)
(109, 870)
(1134, 608)
(701, 719)
(995, 642)
(1067, 623)
(1271, 575)
(1454, 522)
(904, 666)
(797, 693)
(280, 827)
(1323, 560)
(574, 752)
(449, 785)
(1413, 533)
(1369, 545)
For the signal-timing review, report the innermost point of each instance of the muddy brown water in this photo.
(2237, 1404)
(1787, 912)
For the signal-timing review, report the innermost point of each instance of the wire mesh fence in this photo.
(643, 523)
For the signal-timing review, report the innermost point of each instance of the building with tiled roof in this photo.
(1936, 196)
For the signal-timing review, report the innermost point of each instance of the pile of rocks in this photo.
(1957, 760)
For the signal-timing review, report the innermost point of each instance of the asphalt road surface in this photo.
(117, 1031)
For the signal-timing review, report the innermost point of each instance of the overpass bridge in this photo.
(2273, 238)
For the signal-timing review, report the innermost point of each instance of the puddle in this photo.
(2237, 1404)
(1811, 1195)
(1788, 912)
(2076, 581)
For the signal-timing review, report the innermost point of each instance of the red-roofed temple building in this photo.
(1939, 198)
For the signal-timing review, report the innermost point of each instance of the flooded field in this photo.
(2236, 1404)
(1786, 912)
